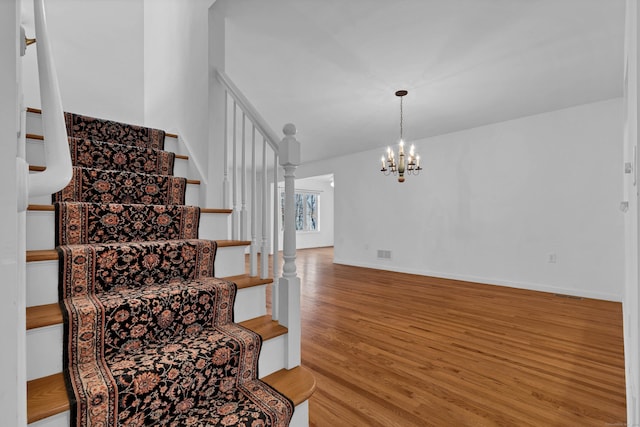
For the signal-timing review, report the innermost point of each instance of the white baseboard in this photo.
(488, 281)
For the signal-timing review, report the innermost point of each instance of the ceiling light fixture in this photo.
(410, 165)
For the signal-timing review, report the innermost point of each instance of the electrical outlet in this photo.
(553, 258)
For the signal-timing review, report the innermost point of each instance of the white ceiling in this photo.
(332, 66)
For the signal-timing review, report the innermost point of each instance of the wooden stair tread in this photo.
(42, 255)
(47, 396)
(39, 316)
(202, 210)
(52, 254)
(171, 135)
(182, 156)
(265, 326)
(216, 210)
(40, 208)
(298, 384)
(228, 243)
(34, 136)
(246, 281)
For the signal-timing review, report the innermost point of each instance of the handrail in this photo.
(57, 156)
(272, 138)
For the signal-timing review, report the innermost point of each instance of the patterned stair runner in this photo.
(79, 126)
(80, 222)
(149, 332)
(107, 186)
(106, 155)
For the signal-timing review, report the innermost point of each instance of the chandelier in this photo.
(409, 165)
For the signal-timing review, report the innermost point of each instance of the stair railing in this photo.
(263, 176)
(58, 170)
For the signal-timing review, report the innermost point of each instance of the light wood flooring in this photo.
(391, 349)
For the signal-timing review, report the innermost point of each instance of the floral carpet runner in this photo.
(149, 332)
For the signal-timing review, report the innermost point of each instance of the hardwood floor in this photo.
(391, 349)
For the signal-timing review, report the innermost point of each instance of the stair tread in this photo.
(34, 136)
(41, 208)
(216, 210)
(47, 396)
(39, 316)
(52, 255)
(202, 210)
(265, 326)
(298, 384)
(246, 281)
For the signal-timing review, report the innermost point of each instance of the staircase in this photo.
(48, 403)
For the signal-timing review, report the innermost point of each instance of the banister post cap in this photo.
(289, 147)
(289, 129)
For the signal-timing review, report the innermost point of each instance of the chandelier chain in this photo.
(401, 129)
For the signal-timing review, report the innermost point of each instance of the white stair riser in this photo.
(300, 415)
(44, 345)
(250, 302)
(59, 420)
(272, 355)
(181, 168)
(44, 351)
(34, 150)
(42, 276)
(192, 197)
(173, 145)
(41, 228)
(33, 123)
(42, 282)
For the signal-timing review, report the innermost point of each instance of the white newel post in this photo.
(289, 283)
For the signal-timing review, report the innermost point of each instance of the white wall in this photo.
(176, 72)
(324, 236)
(137, 61)
(12, 370)
(98, 48)
(493, 203)
(631, 299)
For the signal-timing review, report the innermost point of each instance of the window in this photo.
(305, 212)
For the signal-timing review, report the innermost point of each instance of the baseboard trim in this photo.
(487, 280)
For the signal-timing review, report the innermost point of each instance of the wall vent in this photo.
(382, 254)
